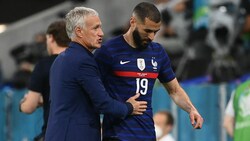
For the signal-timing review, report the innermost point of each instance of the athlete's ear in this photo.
(133, 21)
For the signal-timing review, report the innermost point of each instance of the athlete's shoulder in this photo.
(156, 46)
(114, 41)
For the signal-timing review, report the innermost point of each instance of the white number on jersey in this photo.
(141, 86)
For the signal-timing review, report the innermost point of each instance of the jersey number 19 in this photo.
(141, 85)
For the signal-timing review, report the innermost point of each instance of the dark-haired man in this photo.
(131, 63)
(38, 94)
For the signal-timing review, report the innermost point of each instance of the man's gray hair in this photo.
(76, 18)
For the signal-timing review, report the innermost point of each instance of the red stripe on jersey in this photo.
(136, 74)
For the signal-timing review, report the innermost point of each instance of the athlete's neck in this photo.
(129, 39)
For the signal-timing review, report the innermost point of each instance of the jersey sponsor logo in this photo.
(136, 74)
(124, 62)
(141, 64)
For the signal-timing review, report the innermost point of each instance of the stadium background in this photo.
(24, 20)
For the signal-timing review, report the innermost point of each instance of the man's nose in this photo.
(151, 36)
(101, 33)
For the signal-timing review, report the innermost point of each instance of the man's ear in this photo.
(51, 37)
(78, 32)
(132, 21)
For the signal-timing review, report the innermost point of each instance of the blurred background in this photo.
(208, 42)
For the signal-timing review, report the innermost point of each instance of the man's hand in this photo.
(21, 102)
(30, 102)
(138, 106)
(196, 119)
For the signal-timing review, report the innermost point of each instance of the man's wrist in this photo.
(130, 108)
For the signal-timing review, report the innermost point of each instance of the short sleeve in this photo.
(36, 82)
(166, 72)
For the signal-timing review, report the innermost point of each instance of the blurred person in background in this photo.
(130, 63)
(77, 94)
(26, 56)
(176, 18)
(164, 123)
(38, 94)
(237, 114)
(25, 66)
(175, 27)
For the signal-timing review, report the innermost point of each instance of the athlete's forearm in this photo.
(182, 100)
(179, 96)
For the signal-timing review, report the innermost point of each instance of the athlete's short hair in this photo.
(147, 10)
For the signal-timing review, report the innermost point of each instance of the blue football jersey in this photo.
(127, 71)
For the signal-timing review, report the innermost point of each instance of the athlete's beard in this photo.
(138, 41)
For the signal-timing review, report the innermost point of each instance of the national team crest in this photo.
(141, 64)
(154, 63)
